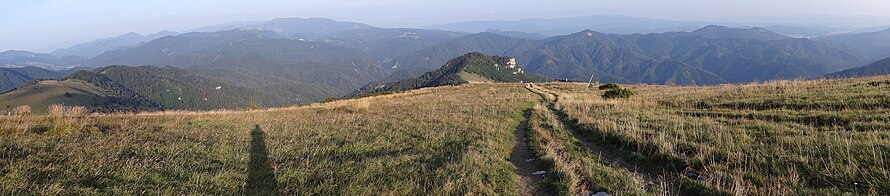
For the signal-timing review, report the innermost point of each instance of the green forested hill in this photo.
(471, 67)
(174, 88)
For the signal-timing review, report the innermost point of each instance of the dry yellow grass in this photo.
(781, 137)
(447, 140)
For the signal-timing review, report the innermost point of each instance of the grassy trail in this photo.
(652, 178)
(524, 159)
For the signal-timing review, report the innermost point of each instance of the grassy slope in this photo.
(448, 140)
(49, 92)
(474, 78)
(820, 137)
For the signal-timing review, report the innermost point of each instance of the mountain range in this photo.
(874, 45)
(710, 55)
(93, 48)
(301, 60)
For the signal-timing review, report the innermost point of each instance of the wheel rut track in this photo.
(612, 157)
(519, 157)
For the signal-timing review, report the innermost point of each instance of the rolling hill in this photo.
(472, 67)
(95, 95)
(881, 67)
(11, 78)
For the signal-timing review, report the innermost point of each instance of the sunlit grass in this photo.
(784, 137)
(448, 140)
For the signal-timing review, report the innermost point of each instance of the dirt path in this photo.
(525, 162)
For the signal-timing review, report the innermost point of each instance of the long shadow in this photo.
(260, 175)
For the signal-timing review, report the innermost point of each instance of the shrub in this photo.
(618, 93)
(609, 86)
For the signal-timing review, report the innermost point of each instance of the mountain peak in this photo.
(587, 32)
(721, 32)
(131, 34)
(712, 28)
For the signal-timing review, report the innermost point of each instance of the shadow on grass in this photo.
(260, 175)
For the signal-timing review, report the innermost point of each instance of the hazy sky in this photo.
(42, 25)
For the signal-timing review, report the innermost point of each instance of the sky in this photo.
(44, 25)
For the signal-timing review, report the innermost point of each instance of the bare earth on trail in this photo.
(525, 162)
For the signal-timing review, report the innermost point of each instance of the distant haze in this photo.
(44, 25)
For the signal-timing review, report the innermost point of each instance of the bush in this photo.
(618, 93)
(609, 86)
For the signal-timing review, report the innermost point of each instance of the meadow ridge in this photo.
(784, 137)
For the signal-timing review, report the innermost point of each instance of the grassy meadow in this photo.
(823, 137)
(447, 140)
(820, 137)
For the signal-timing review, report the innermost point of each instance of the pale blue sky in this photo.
(42, 24)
